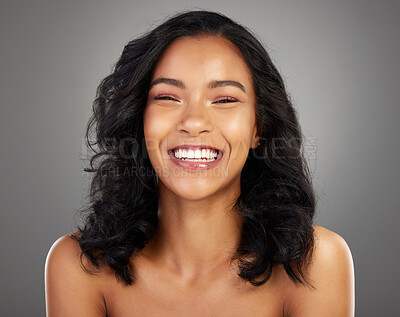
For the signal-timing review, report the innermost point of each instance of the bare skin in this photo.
(184, 270)
(70, 291)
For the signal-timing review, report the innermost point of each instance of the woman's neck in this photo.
(194, 238)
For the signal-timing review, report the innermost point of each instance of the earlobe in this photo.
(256, 139)
(256, 142)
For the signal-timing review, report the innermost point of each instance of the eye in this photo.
(164, 97)
(227, 100)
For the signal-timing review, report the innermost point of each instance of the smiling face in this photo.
(200, 95)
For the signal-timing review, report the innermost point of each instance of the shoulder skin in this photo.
(70, 290)
(331, 272)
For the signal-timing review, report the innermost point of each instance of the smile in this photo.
(195, 157)
(198, 155)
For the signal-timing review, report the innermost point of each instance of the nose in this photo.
(195, 119)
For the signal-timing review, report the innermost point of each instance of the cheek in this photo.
(155, 128)
(238, 131)
(151, 134)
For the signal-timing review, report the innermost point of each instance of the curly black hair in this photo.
(277, 200)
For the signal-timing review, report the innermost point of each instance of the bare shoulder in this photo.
(330, 246)
(331, 273)
(70, 289)
(64, 248)
(64, 257)
(332, 259)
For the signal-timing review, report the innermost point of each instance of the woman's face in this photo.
(200, 95)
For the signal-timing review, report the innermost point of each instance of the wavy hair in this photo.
(277, 201)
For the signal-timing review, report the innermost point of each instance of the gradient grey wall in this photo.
(340, 62)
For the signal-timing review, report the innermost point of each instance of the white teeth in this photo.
(198, 155)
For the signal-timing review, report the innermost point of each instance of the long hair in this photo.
(277, 201)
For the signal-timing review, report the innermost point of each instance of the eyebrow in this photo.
(211, 84)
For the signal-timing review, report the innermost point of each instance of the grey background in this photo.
(340, 63)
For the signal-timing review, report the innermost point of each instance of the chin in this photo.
(192, 189)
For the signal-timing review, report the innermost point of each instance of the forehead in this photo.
(203, 55)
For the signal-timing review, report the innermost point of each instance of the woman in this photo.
(201, 202)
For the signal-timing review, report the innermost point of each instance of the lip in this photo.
(195, 165)
(195, 147)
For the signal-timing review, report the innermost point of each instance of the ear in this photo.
(255, 139)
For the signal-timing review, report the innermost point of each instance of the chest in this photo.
(160, 300)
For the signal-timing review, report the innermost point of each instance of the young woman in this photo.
(201, 202)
